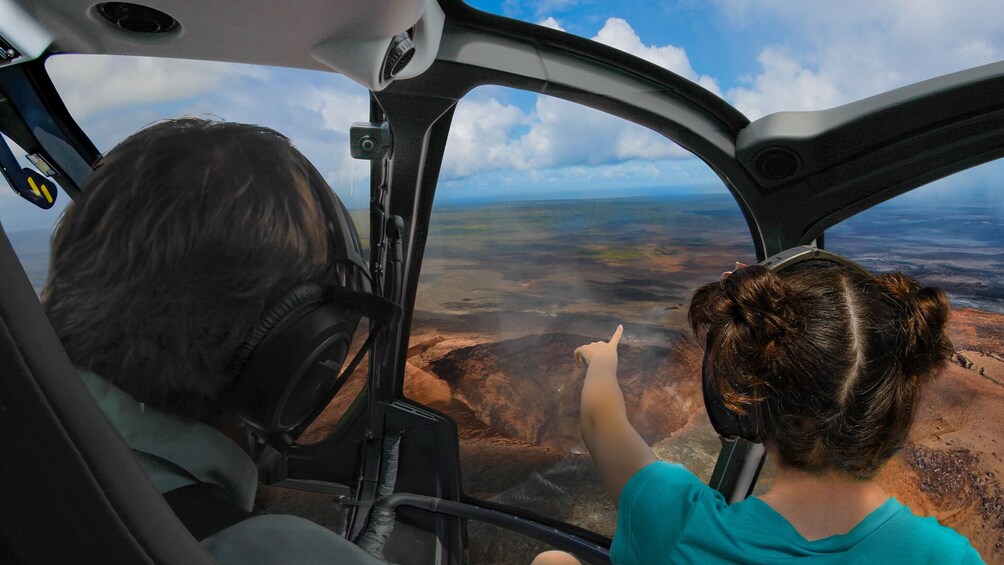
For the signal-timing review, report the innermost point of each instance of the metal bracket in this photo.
(22, 38)
(370, 141)
(7, 52)
(738, 467)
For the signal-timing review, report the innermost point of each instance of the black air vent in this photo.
(402, 49)
(137, 19)
(776, 163)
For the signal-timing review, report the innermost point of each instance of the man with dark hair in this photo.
(185, 233)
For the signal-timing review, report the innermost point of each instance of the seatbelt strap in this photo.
(205, 508)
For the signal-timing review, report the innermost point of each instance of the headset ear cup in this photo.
(290, 358)
(726, 422)
(722, 419)
(273, 316)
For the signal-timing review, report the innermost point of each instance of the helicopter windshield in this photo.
(562, 210)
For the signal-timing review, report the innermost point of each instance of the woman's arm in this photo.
(616, 448)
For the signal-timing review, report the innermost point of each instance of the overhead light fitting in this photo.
(136, 18)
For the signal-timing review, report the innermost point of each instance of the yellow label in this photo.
(44, 190)
(31, 183)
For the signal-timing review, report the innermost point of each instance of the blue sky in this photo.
(761, 56)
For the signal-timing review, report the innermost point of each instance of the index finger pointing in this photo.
(616, 339)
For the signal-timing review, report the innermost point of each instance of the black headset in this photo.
(288, 367)
(731, 424)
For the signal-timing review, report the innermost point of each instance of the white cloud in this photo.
(90, 84)
(314, 109)
(619, 34)
(551, 23)
(564, 133)
(339, 108)
(977, 50)
(636, 142)
(838, 52)
(784, 84)
(489, 135)
(480, 137)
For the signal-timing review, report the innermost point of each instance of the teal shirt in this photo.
(176, 452)
(667, 515)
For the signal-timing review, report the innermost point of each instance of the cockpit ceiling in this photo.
(310, 34)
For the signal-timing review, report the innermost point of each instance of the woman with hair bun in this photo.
(824, 363)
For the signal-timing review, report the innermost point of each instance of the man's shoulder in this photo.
(281, 538)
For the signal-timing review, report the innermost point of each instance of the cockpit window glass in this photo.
(765, 57)
(111, 97)
(553, 224)
(949, 234)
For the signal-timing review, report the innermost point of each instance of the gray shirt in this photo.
(176, 452)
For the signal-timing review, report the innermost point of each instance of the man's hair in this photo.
(829, 360)
(183, 235)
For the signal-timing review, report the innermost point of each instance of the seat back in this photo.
(71, 491)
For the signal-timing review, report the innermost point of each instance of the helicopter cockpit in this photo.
(510, 182)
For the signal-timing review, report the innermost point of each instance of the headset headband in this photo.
(803, 253)
(343, 239)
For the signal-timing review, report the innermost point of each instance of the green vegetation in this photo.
(613, 253)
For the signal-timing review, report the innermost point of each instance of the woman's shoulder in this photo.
(904, 517)
(926, 532)
(656, 505)
(661, 485)
(657, 476)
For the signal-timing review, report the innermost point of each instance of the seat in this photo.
(71, 491)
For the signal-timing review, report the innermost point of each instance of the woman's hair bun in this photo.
(750, 310)
(762, 301)
(925, 345)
